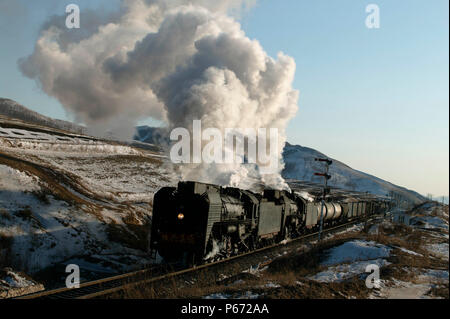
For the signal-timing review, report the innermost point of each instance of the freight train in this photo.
(197, 223)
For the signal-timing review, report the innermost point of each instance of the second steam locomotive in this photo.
(197, 223)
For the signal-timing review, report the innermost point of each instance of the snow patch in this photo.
(409, 251)
(432, 222)
(272, 285)
(14, 280)
(217, 296)
(342, 272)
(355, 250)
(440, 250)
(13, 284)
(435, 276)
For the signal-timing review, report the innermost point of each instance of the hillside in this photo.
(71, 198)
(300, 164)
(12, 109)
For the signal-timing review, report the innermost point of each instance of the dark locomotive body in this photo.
(198, 222)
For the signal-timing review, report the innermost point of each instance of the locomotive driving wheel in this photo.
(227, 247)
(220, 248)
(286, 233)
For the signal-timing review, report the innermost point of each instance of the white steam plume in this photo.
(175, 61)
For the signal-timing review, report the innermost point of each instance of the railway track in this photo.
(108, 286)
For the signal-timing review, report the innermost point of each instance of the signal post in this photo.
(326, 189)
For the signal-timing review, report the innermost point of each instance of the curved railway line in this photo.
(108, 286)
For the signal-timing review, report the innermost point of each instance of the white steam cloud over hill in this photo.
(174, 61)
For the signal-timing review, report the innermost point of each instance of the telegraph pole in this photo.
(326, 190)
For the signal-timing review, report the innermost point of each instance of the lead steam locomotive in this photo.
(197, 223)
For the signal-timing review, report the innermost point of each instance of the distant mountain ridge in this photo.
(152, 135)
(300, 164)
(299, 160)
(12, 109)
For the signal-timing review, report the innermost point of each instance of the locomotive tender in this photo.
(197, 222)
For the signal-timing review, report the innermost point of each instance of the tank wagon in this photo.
(196, 223)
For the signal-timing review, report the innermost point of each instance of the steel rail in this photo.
(106, 286)
(209, 265)
(89, 290)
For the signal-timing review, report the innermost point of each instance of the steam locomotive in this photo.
(197, 223)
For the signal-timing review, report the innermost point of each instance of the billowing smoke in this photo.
(174, 61)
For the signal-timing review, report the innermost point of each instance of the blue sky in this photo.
(376, 99)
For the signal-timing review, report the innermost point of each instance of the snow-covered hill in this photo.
(300, 164)
(12, 109)
(71, 198)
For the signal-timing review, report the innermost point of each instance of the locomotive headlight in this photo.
(180, 216)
